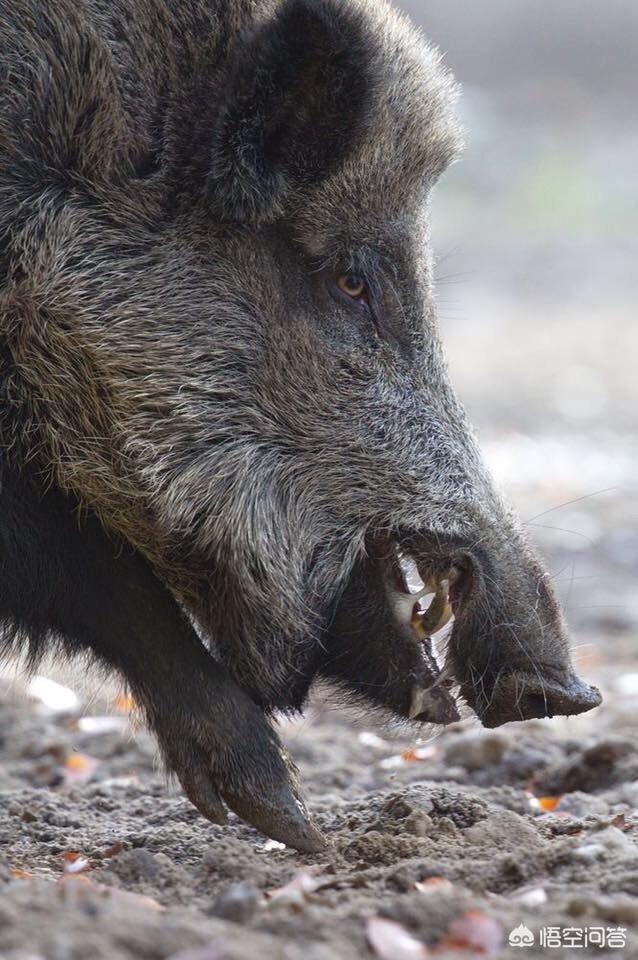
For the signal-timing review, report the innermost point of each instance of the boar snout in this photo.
(509, 649)
(520, 696)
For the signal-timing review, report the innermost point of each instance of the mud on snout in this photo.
(505, 651)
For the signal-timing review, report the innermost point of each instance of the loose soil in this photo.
(157, 881)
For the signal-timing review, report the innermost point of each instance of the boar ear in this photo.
(295, 102)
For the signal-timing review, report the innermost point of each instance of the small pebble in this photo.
(476, 750)
(238, 903)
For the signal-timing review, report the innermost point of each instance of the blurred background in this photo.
(536, 235)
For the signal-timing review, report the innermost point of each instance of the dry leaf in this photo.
(113, 850)
(369, 739)
(53, 695)
(272, 845)
(295, 892)
(548, 803)
(433, 884)
(475, 931)
(419, 753)
(532, 897)
(391, 941)
(105, 724)
(544, 804)
(75, 862)
(412, 755)
(79, 768)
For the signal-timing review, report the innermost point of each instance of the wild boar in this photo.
(231, 458)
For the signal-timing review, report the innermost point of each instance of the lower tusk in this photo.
(409, 576)
(434, 705)
(418, 702)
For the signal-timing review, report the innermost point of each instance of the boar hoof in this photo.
(260, 787)
(199, 786)
(279, 814)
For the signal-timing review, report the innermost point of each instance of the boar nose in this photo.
(518, 696)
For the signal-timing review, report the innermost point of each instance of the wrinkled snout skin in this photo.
(509, 649)
(225, 407)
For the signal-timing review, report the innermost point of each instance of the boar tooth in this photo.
(435, 703)
(438, 613)
(410, 573)
(403, 604)
(417, 620)
(418, 702)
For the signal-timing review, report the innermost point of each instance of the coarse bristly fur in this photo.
(194, 417)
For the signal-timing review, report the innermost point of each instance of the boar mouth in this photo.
(424, 601)
(427, 604)
(507, 655)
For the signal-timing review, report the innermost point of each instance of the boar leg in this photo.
(68, 579)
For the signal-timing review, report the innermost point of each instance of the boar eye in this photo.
(352, 285)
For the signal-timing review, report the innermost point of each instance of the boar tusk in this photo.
(410, 577)
(434, 617)
(434, 705)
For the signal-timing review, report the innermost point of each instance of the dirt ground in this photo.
(447, 838)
